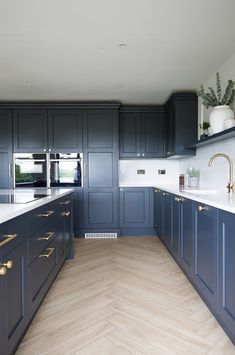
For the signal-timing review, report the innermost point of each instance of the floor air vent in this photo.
(100, 235)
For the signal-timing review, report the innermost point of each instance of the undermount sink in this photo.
(201, 191)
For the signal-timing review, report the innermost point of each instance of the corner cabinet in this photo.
(181, 122)
(141, 133)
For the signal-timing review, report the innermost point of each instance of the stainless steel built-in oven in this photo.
(47, 170)
(65, 170)
(30, 170)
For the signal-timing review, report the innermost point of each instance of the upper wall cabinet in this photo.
(141, 133)
(181, 124)
(37, 130)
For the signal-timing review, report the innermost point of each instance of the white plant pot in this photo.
(217, 117)
(229, 123)
(193, 181)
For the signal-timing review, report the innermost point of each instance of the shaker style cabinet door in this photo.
(205, 235)
(6, 149)
(129, 135)
(65, 130)
(152, 135)
(30, 130)
(226, 267)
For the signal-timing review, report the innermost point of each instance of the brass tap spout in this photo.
(230, 185)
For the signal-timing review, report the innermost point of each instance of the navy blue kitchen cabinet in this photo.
(141, 133)
(186, 257)
(181, 122)
(100, 170)
(226, 267)
(65, 130)
(176, 226)
(167, 218)
(5, 149)
(78, 211)
(157, 212)
(205, 239)
(14, 306)
(136, 211)
(30, 130)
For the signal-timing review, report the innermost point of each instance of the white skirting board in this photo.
(100, 235)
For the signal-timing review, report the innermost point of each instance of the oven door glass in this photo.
(30, 170)
(65, 170)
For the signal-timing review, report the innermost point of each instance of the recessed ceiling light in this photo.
(119, 85)
(29, 85)
(122, 45)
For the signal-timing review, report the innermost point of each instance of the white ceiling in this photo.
(69, 49)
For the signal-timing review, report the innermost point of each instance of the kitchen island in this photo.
(36, 238)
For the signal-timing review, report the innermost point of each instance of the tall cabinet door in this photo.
(175, 236)
(65, 130)
(205, 235)
(6, 149)
(100, 169)
(30, 130)
(130, 127)
(152, 139)
(226, 267)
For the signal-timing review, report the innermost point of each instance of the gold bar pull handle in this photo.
(9, 264)
(47, 255)
(3, 270)
(65, 214)
(7, 238)
(47, 236)
(65, 202)
(46, 214)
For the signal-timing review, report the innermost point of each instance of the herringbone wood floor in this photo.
(124, 296)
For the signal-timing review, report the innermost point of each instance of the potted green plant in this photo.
(193, 177)
(204, 127)
(220, 103)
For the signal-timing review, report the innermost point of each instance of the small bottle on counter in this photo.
(181, 181)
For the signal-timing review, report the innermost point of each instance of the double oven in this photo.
(47, 170)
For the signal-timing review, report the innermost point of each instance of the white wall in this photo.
(128, 174)
(217, 175)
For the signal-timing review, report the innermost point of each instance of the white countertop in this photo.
(9, 211)
(212, 197)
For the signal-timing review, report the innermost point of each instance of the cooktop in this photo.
(20, 198)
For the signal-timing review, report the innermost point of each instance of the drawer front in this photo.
(39, 241)
(41, 216)
(40, 270)
(63, 205)
(12, 233)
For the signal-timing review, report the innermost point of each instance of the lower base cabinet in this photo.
(226, 269)
(40, 241)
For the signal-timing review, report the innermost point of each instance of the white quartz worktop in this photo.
(212, 197)
(9, 211)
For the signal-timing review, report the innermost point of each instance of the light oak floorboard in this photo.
(123, 297)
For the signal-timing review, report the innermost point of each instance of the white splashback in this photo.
(217, 175)
(128, 172)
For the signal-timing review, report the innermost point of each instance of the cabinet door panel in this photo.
(157, 211)
(152, 142)
(30, 130)
(129, 135)
(99, 129)
(100, 169)
(167, 218)
(5, 129)
(134, 208)
(187, 244)
(175, 238)
(65, 130)
(206, 252)
(100, 209)
(226, 267)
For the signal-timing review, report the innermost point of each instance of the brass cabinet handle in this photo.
(65, 214)
(8, 238)
(9, 264)
(201, 208)
(65, 202)
(47, 255)
(46, 214)
(177, 199)
(47, 236)
(3, 270)
(157, 190)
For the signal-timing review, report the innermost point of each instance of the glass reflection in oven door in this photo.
(30, 170)
(65, 173)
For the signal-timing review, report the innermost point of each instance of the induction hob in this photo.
(20, 198)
